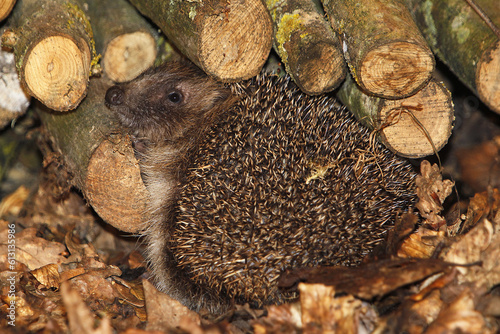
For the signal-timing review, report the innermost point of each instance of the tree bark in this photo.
(124, 38)
(307, 45)
(413, 127)
(100, 159)
(53, 47)
(228, 40)
(386, 54)
(462, 39)
(5, 8)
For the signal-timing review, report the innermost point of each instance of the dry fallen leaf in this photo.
(412, 316)
(404, 226)
(165, 313)
(322, 312)
(319, 311)
(79, 250)
(93, 286)
(80, 318)
(140, 331)
(482, 205)
(13, 203)
(36, 252)
(480, 246)
(131, 293)
(285, 318)
(48, 275)
(421, 244)
(426, 309)
(128, 294)
(460, 317)
(432, 191)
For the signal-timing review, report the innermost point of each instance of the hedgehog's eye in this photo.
(175, 97)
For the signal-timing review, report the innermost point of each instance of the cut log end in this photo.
(405, 120)
(314, 79)
(488, 78)
(6, 7)
(396, 70)
(56, 72)
(114, 186)
(227, 50)
(129, 55)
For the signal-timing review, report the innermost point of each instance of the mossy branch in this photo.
(463, 40)
(307, 45)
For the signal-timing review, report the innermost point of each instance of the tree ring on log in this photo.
(56, 72)
(227, 50)
(5, 8)
(395, 70)
(129, 55)
(114, 186)
(404, 133)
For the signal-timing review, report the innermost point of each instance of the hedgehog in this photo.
(248, 180)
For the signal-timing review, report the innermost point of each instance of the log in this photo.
(384, 49)
(307, 46)
(465, 42)
(13, 100)
(228, 40)
(5, 8)
(52, 43)
(126, 41)
(412, 127)
(100, 159)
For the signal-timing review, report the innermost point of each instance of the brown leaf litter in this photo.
(73, 274)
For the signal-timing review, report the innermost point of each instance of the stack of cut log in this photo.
(376, 54)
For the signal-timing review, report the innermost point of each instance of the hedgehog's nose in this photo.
(114, 96)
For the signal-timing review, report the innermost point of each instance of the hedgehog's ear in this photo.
(220, 98)
(114, 96)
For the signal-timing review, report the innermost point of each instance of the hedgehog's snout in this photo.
(114, 96)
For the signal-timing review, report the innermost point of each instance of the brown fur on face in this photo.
(167, 102)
